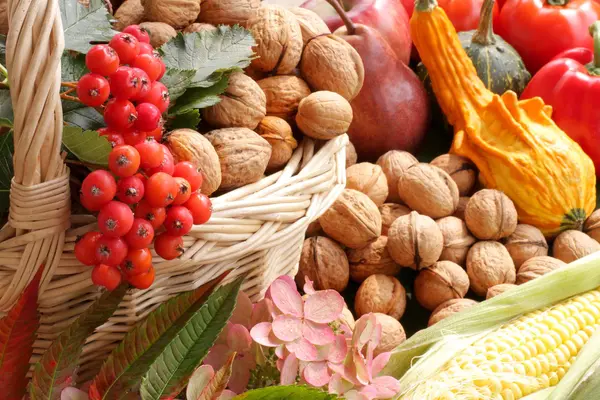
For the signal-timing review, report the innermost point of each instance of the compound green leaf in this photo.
(189, 119)
(286, 393)
(87, 146)
(177, 81)
(84, 22)
(87, 118)
(196, 98)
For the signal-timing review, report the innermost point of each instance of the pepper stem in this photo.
(342, 13)
(485, 31)
(595, 32)
(425, 5)
(560, 3)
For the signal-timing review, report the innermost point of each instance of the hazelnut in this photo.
(457, 239)
(353, 220)
(160, 33)
(369, 179)
(499, 289)
(200, 27)
(330, 63)
(428, 190)
(415, 241)
(536, 267)
(572, 245)
(392, 333)
(491, 215)
(394, 163)
(314, 229)
(370, 260)
(279, 135)
(389, 213)
(460, 169)
(177, 13)
(526, 242)
(462, 206)
(439, 283)
(324, 262)
(449, 308)
(310, 23)
(592, 225)
(381, 294)
(284, 93)
(228, 12)
(324, 115)
(131, 12)
(351, 156)
(489, 264)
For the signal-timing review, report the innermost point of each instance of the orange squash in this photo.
(515, 144)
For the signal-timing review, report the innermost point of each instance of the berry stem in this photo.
(72, 85)
(65, 96)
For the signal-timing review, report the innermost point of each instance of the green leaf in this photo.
(122, 372)
(210, 53)
(6, 110)
(171, 371)
(73, 68)
(84, 22)
(87, 118)
(177, 81)
(201, 388)
(195, 98)
(189, 119)
(287, 393)
(6, 169)
(87, 146)
(57, 366)
(3, 50)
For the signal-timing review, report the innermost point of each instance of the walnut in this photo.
(489, 264)
(499, 289)
(380, 294)
(351, 156)
(392, 333)
(314, 229)
(279, 135)
(160, 33)
(324, 262)
(369, 179)
(330, 63)
(592, 225)
(491, 215)
(572, 245)
(243, 105)
(310, 23)
(284, 93)
(449, 308)
(389, 213)
(200, 27)
(440, 282)
(189, 145)
(228, 12)
(177, 13)
(536, 267)
(243, 155)
(394, 163)
(457, 239)
(415, 241)
(526, 242)
(352, 220)
(462, 206)
(370, 260)
(131, 12)
(278, 38)
(324, 115)
(460, 169)
(428, 190)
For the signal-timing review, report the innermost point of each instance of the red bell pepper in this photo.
(571, 85)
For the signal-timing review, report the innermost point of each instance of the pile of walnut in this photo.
(399, 213)
(300, 83)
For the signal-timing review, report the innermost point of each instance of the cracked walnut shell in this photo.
(439, 283)
(394, 163)
(489, 264)
(536, 267)
(284, 93)
(449, 308)
(369, 179)
(279, 135)
(460, 169)
(415, 241)
(457, 239)
(389, 213)
(177, 13)
(310, 23)
(228, 12)
(324, 115)
(381, 294)
(572, 245)
(491, 215)
(324, 262)
(370, 260)
(526, 242)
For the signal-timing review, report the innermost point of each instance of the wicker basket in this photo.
(258, 229)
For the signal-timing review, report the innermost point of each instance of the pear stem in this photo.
(485, 31)
(425, 5)
(342, 13)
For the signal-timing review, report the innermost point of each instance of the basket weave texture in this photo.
(257, 230)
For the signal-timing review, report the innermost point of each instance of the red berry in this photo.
(145, 84)
(125, 83)
(151, 154)
(107, 276)
(167, 164)
(93, 90)
(120, 114)
(148, 117)
(155, 215)
(179, 221)
(138, 32)
(190, 173)
(115, 139)
(157, 134)
(168, 247)
(140, 235)
(102, 59)
(111, 251)
(130, 190)
(134, 137)
(142, 281)
(141, 177)
(200, 206)
(184, 191)
(159, 96)
(115, 219)
(97, 189)
(85, 248)
(124, 161)
(161, 190)
(150, 64)
(146, 48)
(126, 46)
(163, 68)
(138, 261)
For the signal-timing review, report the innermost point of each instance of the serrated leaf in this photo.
(189, 119)
(17, 334)
(122, 372)
(87, 118)
(57, 367)
(6, 169)
(196, 98)
(6, 110)
(177, 81)
(287, 393)
(72, 69)
(210, 53)
(88, 146)
(200, 389)
(83, 22)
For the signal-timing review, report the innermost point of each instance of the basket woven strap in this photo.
(40, 197)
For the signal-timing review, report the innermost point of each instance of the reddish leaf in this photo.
(17, 334)
(211, 390)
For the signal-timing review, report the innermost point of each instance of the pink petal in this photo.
(380, 362)
(363, 374)
(338, 385)
(287, 328)
(303, 349)
(386, 387)
(70, 393)
(217, 356)
(324, 306)
(309, 288)
(281, 352)
(242, 313)
(262, 312)
(286, 298)
(240, 376)
(289, 370)
(364, 330)
(200, 378)
(279, 364)
(338, 350)
(238, 338)
(262, 334)
(317, 334)
(369, 392)
(354, 395)
(316, 374)
(227, 395)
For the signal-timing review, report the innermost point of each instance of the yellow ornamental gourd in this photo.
(516, 146)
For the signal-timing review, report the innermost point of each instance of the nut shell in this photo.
(324, 115)
(457, 239)
(199, 27)
(489, 264)
(177, 13)
(572, 245)
(439, 283)
(279, 135)
(324, 262)
(460, 169)
(284, 93)
(228, 12)
(592, 225)
(353, 220)
(462, 206)
(381, 294)
(160, 33)
(314, 229)
(394, 163)
(370, 260)
(392, 333)
(536, 267)
(311, 25)
(491, 215)
(369, 179)
(499, 289)
(415, 241)
(450, 308)
(243, 156)
(131, 12)
(351, 156)
(389, 213)
(526, 242)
